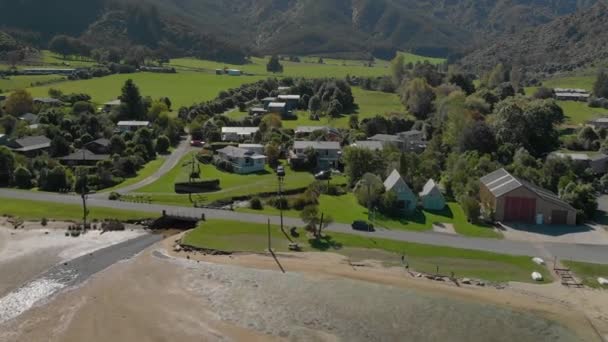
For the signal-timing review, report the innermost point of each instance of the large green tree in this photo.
(418, 97)
(600, 87)
(131, 102)
(7, 165)
(19, 102)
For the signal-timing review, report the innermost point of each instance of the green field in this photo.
(34, 210)
(231, 184)
(21, 82)
(249, 237)
(184, 89)
(580, 82)
(588, 273)
(306, 68)
(346, 209)
(410, 57)
(142, 174)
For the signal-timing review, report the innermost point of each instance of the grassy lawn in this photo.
(346, 209)
(33, 210)
(588, 272)
(144, 173)
(231, 184)
(249, 237)
(26, 81)
(184, 88)
(579, 82)
(580, 112)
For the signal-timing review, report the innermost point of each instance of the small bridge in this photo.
(567, 278)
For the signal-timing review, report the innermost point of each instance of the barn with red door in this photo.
(514, 200)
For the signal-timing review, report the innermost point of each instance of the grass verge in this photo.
(588, 272)
(250, 237)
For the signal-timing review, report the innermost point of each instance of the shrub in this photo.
(44, 222)
(114, 196)
(256, 204)
(223, 165)
(279, 202)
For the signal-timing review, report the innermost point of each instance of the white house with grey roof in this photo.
(598, 123)
(243, 161)
(369, 145)
(406, 199)
(410, 141)
(237, 134)
(328, 153)
(291, 101)
(511, 199)
(131, 126)
(597, 162)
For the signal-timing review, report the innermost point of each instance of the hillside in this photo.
(343, 28)
(567, 43)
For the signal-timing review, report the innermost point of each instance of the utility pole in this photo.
(83, 193)
(269, 239)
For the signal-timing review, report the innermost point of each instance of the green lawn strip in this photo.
(580, 112)
(183, 88)
(412, 58)
(232, 185)
(249, 237)
(32, 210)
(346, 209)
(142, 174)
(26, 81)
(588, 272)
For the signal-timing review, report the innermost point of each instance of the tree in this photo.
(61, 45)
(23, 178)
(59, 146)
(582, 197)
(543, 93)
(156, 109)
(398, 68)
(353, 121)
(335, 108)
(600, 87)
(274, 65)
(57, 179)
(131, 101)
(369, 190)
(19, 102)
(465, 83)
(314, 220)
(314, 105)
(497, 76)
(471, 207)
(418, 97)
(272, 152)
(8, 123)
(478, 137)
(117, 145)
(162, 144)
(359, 161)
(7, 165)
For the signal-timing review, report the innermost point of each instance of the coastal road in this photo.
(578, 252)
(170, 162)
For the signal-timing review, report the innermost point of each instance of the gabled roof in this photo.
(368, 144)
(240, 130)
(430, 188)
(501, 182)
(289, 97)
(277, 105)
(393, 180)
(410, 133)
(133, 123)
(29, 117)
(309, 129)
(83, 155)
(32, 143)
(385, 137)
(236, 152)
(101, 142)
(317, 145)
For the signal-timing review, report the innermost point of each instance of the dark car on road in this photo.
(280, 171)
(363, 226)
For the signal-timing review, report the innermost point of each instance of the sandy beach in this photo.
(165, 295)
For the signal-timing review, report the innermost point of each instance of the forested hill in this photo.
(221, 29)
(566, 43)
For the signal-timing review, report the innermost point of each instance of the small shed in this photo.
(406, 199)
(431, 196)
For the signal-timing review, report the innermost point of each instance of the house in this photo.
(131, 126)
(268, 100)
(257, 111)
(256, 148)
(30, 118)
(388, 140)
(30, 146)
(48, 101)
(368, 144)
(108, 106)
(412, 141)
(406, 200)
(292, 101)
(83, 157)
(234, 72)
(598, 163)
(598, 123)
(328, 153)
(566, 94)
(306, 131)
(99, 146)
(238, 133)
(243, 161)
(511, 199)
(431, 197)
(277, 108)
(284, 90)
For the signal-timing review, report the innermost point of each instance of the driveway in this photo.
(170, 162)
(591, 234)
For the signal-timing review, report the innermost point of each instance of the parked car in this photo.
(323, 175)
(363, 226)
(197, 143)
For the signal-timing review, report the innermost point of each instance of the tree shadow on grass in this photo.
(324, 243)
(446, 212)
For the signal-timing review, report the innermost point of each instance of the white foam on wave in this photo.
(22, 299)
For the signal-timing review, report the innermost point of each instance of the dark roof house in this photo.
(30, 145)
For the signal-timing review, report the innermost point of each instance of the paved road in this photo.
(170, 162)
(579, 252)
